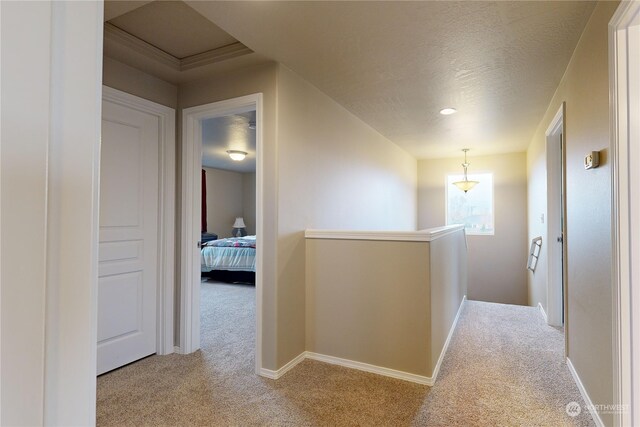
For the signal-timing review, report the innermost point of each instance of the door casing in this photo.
(191, 187)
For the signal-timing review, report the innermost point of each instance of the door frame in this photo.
(166, 210)
(556, 203)
(624, 86)
(191, 187)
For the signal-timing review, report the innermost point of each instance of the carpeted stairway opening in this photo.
(504, 367)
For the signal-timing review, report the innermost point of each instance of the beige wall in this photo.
(249, 201)
(230, 195)
(390, 304)
(335, 172)
(497, 264)
(131, 80)
(584, 88)
(368, 301)
(224, 200)
(448, 278)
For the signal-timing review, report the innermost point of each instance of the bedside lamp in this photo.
(239, 229)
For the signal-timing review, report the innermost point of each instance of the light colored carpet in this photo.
(504, 367)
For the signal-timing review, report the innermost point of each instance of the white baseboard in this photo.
(387, 372)
(587, 400)
(544, 313)
(361, 366)
(446, 343)
(274, 375)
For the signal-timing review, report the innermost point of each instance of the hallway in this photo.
(504, 367)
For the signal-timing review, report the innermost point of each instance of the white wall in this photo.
(51, 98)
(23, 155)
(335, 172)
(589, 317)
(498, 263)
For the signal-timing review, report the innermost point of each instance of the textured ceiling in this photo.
(229, 133)
(396, 64)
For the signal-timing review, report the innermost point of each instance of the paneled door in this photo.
(128, 250)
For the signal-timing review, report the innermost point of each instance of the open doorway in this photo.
(228, 240)
(221, 244)
(556, 223)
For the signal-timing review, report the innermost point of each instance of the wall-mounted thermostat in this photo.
(592, 160)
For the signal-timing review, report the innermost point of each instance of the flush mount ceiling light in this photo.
(237, 155)
(448, 111)
(465, 185)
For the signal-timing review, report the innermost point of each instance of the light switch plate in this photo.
(592, 160)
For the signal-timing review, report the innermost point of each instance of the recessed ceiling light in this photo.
(448, 111)
(237, 155)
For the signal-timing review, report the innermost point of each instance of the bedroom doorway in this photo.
(221, 222)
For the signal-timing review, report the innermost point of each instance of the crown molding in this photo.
(118, 35)
(214, 55)
(113, 33)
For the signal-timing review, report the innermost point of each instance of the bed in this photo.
(230, 260)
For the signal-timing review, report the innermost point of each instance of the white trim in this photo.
(624, 213)
(191, 182)
(274, 375)
(397, 236)
(557, 122)
(177, 350)
(555, 251)
(585, 396)
(366, 367)
(387, 372)
(166, 209)
(436, 370)
(544, 314)
(118, 35)
(113, 33)
(214, 55)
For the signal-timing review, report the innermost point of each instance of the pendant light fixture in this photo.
(465, 185)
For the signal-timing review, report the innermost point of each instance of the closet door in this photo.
(128, 252)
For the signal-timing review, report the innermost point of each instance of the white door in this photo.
(128, 251)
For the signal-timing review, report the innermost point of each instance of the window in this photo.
(474, 209)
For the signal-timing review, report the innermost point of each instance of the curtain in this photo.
(203, 214)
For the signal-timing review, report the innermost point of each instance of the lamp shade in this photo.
(239, 223)
(465, 185)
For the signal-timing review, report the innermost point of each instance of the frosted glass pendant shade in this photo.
(465, 185)
(237, 155)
